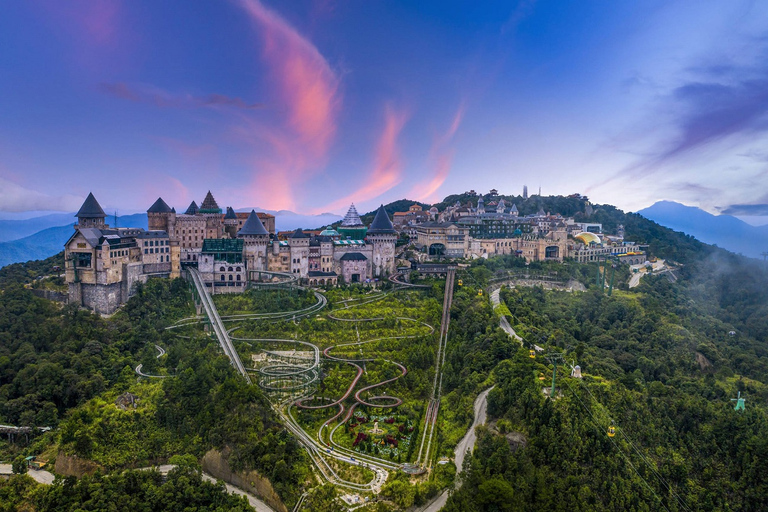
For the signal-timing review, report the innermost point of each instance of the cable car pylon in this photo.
(740, 406)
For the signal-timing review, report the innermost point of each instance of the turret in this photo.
(230, 222)
(90, 215)
(255, 238)
(159, 215)
(382, 236)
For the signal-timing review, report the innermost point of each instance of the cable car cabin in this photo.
(532, 354)
(611, 431)
(541, 376)
(480, 293)
(461, 283)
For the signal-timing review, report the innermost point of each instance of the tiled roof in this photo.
(252, 226)
(193, 209)
(353, 256)
(381, 223)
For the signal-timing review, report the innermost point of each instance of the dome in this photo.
(588, 238)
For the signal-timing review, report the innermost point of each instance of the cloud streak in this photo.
(160, 98)
(388, 166)
(306, 84)
(15, 198)
(441, 159)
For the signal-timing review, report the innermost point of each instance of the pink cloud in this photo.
(306, 85)
(388, 167)
(440, 158)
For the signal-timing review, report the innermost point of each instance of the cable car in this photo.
(611, 431)
(532, 354)
(541, 376)
(461, 283)
(480, 293)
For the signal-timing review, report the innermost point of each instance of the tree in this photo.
(19, 465)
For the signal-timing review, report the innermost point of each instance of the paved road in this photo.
(38, 475)
(466, 444)
(503, 323)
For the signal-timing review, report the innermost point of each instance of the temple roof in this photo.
(159, 206)
(193, 209)
(91, 209)
(352, 218)
(381, 223)
(252, 226)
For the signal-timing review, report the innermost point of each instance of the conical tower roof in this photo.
(159, 206)
(513, 209)
(352, 218)
(193, 209)
(209, 204)
(299, 234)
(91, 209)
(230, 214)
(381, 223)
(252, 226)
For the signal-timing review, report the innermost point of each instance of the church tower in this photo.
(382, 235)
(255, 238)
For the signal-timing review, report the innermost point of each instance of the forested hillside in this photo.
(661, 363)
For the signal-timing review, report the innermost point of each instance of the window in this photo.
(222, 278)
(230, 269)
(238, 277)
(221, 269)
(230, 277)
(238, 269)
(167, 258)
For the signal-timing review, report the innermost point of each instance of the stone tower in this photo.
(230, 223)
(382, 236)
(255, 238)
(160, 216)
(299, 242)
(480, 206)
(91, 215)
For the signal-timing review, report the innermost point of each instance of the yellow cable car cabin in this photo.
(541, 376)
(532, 354)
(480, 293)
(611, 431)
(461, 283)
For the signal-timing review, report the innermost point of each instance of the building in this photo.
(229, 249)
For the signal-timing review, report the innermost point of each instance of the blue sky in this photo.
(310, 105)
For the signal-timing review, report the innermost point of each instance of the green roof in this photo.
(211, 245)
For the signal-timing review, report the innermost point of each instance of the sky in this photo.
(310, 105)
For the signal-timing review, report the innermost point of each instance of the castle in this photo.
(230, 250)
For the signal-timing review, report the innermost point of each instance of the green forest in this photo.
(661, 364)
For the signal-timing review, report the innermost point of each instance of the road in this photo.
(466, 444)
(634, 279)
(503, 323)
(38, 475)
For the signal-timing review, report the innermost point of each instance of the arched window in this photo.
(230, 269)
(238, 277)
(222, 278)
(221, 269)
(238, 269)
(230, 278)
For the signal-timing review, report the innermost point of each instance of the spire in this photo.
(159, 206)
(91, 209)
(209, 204)
(230, 214)
(299, 234)
(381, 223)
(352, 218)
(252, 226)
(193, 209)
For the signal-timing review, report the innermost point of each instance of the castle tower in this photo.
(513, 211)
(159, 216)
(501, 207)
(382, 235)
(91, 215)
(230, 223)
(299, 243)
(255, 237)
(480, 206)
(214, 228)
(192, 209)
(525, 191)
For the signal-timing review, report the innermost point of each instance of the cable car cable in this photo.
(626, 457)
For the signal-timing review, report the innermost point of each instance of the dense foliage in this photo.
(183, 489)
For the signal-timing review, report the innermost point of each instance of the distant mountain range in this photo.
(722, 230)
